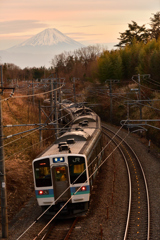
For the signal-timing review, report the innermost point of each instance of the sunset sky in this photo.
(86, 21)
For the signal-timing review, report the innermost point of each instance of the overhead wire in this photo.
(11, 111)
(38, 142)
(36, 94)
(145, 86)
(154, 80)
(80, 187)
(115, 95)
(34, 130)
(74, 181)
(137, 102)
(96, 169)
(22, 150)
(156, 84)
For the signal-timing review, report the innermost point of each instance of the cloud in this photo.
(82, 34)
(85, 26)
(90, 5)
(18, 26)
(71, 5)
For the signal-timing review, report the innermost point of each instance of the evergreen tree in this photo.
(155, 26)
(134, 33)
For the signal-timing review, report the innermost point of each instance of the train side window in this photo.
(77, 169)
(42, 173)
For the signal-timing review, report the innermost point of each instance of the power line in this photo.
(141, 122)
(36, 94)
(75, 181)
(145, 86)
(156, 84)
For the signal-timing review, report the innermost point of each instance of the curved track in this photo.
(60, 230)
(138, 216)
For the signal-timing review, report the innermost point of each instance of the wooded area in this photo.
(138, 51)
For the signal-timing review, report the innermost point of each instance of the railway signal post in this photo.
(2, 174)
(110, 82)
(74, 88)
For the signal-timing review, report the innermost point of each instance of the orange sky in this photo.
(86, 21)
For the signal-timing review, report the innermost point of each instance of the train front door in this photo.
(61, 183)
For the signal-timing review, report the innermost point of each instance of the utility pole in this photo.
(60, 99)
(17, 82)
(51, 96)
(139, 94)
(53, 87)
(74, 88)
(33, 91)
(40, 120)
(127, 110)
(2, 174)
(55, 107)
(139, 89)
(110, 81)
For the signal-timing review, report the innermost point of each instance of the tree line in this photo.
(138, 51)
(137, 58)
(141, 33)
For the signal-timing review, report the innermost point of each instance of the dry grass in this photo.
(23, 149)
(20, 150)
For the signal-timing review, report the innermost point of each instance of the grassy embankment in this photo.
(21, 150)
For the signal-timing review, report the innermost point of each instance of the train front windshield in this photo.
(76, 169)
(42, 173)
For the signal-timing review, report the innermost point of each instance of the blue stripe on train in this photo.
(51, 194)
(74, 189)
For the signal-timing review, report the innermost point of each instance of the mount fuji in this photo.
(40, 49)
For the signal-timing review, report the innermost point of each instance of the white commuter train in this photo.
(67, 165)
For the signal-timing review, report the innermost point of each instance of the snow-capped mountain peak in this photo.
(48, 37)
(40, 49)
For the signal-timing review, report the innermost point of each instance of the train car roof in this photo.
(80, 137)
(54, 149)
(89, 117)
(77, 139)
(77, 135)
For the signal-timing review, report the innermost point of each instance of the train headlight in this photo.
(43, 192)
(58, 159)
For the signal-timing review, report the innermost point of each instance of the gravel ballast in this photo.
(108, 206)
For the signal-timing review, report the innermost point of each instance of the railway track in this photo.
(60, 230)
(47, 229)
(137, 224)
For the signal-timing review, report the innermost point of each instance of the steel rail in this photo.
(146, 188)
(71, 229)
(48, 234)
(147, 193)
(129, 182)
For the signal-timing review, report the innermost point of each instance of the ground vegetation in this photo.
(91, 74)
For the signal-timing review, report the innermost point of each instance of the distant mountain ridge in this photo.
(40, 49)
(48, 37)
